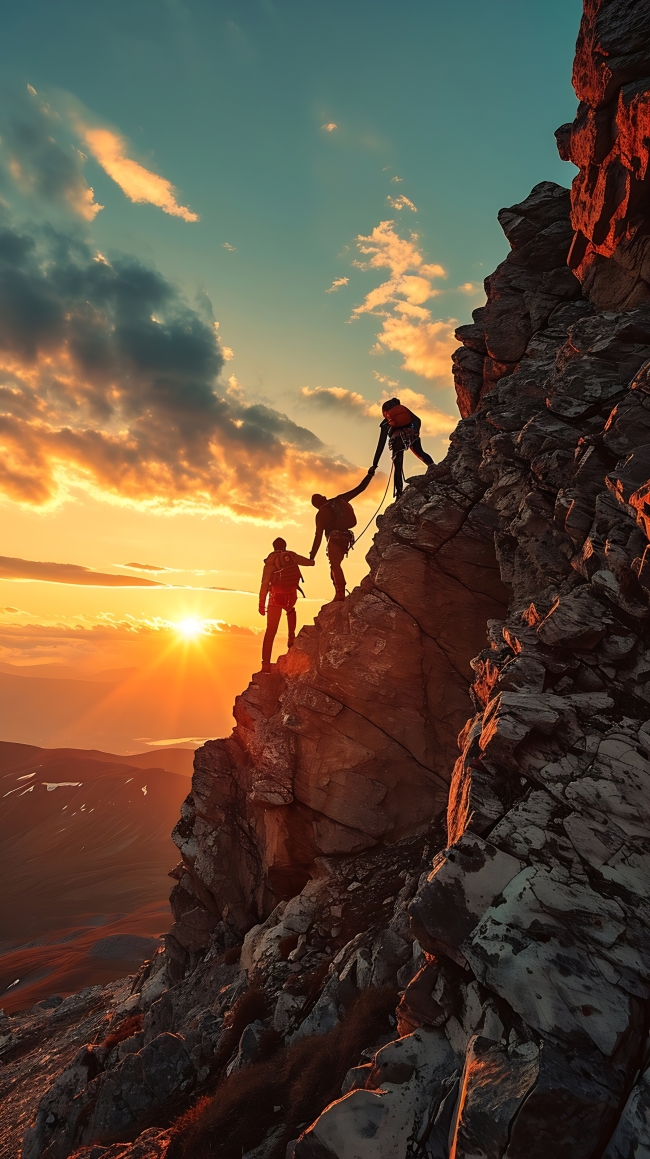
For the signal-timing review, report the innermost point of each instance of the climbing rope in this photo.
(358, 537)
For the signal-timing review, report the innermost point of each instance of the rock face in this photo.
(522, 293)
(344, 846)
(349, 742)
(609, 141)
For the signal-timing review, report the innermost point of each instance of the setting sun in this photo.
(191, 627)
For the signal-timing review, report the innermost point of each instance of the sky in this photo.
(227, 232)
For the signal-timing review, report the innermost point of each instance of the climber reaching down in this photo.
(281, 579)
(335, 521)
(402, 428)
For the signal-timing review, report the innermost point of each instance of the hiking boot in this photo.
(291, 642)
(266, 665)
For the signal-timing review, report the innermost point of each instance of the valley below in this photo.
(86, 848)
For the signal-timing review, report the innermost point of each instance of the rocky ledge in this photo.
(382, 947)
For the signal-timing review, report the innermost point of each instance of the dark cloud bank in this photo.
(108, 376)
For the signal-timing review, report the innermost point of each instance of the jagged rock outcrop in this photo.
(337, 850)
(349, 742)
(609, 141)
(522, 293)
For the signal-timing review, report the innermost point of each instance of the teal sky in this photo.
(227, 102)
(288, 129)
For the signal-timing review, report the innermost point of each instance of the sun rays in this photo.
(191, 627)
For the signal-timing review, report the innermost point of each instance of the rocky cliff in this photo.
(382, 947)
(609, 143)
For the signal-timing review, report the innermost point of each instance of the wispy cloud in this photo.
(329, 127)
(137, 183)
(407, 324)
(402, 203)
(336, 398)
(471, 288)
(68, 573)
(396, 178)
(181, 570)
(144, 566)
(44, 171)
(336, 285)
(226, 246)
(392, 382)
(39, 155)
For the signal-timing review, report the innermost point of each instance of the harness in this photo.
(402, 438)
(345, 539)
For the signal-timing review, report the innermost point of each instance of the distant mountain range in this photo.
(86, 851)
(177, 691)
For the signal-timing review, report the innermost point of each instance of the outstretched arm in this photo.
(317, 540)
(357, 490)
(302, 560)
(383, 435)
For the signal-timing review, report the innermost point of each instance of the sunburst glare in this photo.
(190, 627)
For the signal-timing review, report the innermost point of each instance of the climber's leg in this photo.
(336, 552)
(419, 451)
(273, 614)
(398, 467)
(291, 626)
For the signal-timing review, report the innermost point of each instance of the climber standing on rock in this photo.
(281, 579)
(335, 520)
(402, 428)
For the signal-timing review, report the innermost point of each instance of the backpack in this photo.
(343, 513)
(287, 574)
(399, 416)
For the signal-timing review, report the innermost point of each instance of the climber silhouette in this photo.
(334, 520)
(281, 579)
(402, 428)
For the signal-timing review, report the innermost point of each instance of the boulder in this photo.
(463, 883)
(391, 1117)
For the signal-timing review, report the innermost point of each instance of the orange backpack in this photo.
(399, 416)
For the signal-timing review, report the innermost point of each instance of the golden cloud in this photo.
(68, 573)
(402, 203)
(336, 285)
(426, 346)
(137, 183)
(407, 325)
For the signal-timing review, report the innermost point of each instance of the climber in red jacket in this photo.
(402, 428)
(335, 520)
(281, 579)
